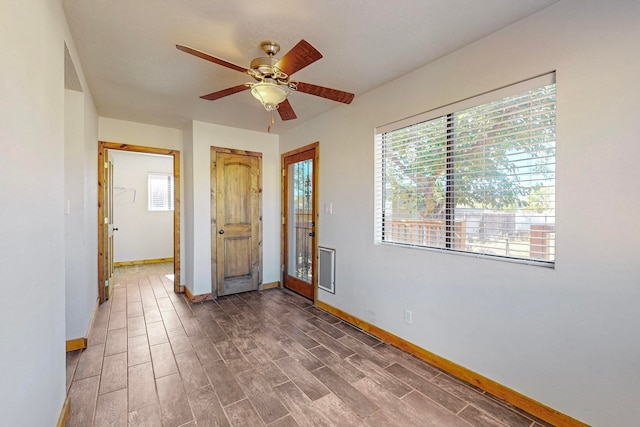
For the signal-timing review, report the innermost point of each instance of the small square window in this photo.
(160, 192)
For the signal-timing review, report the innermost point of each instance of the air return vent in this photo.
(326, 269)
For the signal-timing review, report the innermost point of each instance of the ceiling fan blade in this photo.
(325, 92)
(225, 92)
(286, 111)
(211, 58)
(298, 57)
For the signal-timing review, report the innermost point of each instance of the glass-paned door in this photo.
(300, 221)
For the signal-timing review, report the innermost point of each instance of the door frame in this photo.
(103, 147)
(214, 213)
(284, 211)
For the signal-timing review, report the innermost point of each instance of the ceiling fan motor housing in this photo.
(266, 67)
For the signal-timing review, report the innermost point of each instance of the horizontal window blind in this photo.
(161, 192)
(478, 179)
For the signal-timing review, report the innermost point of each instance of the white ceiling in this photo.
(134, 72)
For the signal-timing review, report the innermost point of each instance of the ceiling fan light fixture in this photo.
(269, 94)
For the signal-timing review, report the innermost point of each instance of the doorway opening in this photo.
(105, 212)
(300, 216)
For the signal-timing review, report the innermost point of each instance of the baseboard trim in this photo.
(64, 414)
(208, 297)
(76, 344)
(197, 298)
(142, 262)
(271, 285)
(521, 401)
(188, 294)
(81, 343)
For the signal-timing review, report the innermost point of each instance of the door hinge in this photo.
(284, 172)
(106, 165)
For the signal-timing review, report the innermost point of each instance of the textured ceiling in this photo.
(127, 50)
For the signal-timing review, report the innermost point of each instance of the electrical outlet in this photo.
(408, 316)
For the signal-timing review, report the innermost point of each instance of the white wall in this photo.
(566, 337)
(125, 132)
(203, 137)
(32, 188)
(80, 208)
(142, 234)
(188, 232)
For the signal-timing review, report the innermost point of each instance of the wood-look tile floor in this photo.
(254, 359)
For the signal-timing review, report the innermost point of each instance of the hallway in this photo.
(254, 359)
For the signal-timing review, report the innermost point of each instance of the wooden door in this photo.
(300, 172)
(109, 228)
(236, 229)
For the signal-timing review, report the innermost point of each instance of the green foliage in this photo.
(494, 156)
(541, 199)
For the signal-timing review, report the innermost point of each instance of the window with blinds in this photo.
(160, 192)
(477, 176)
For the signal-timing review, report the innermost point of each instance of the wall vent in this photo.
(326, 269)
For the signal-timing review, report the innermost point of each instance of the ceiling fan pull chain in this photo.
(272, 122)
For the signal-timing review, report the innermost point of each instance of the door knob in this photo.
(115, 228)
(221, 232)
(312, 234)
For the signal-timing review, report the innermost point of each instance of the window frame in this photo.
(448, 112)
(167, 204)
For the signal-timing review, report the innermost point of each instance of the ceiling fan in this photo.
(273, 77)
